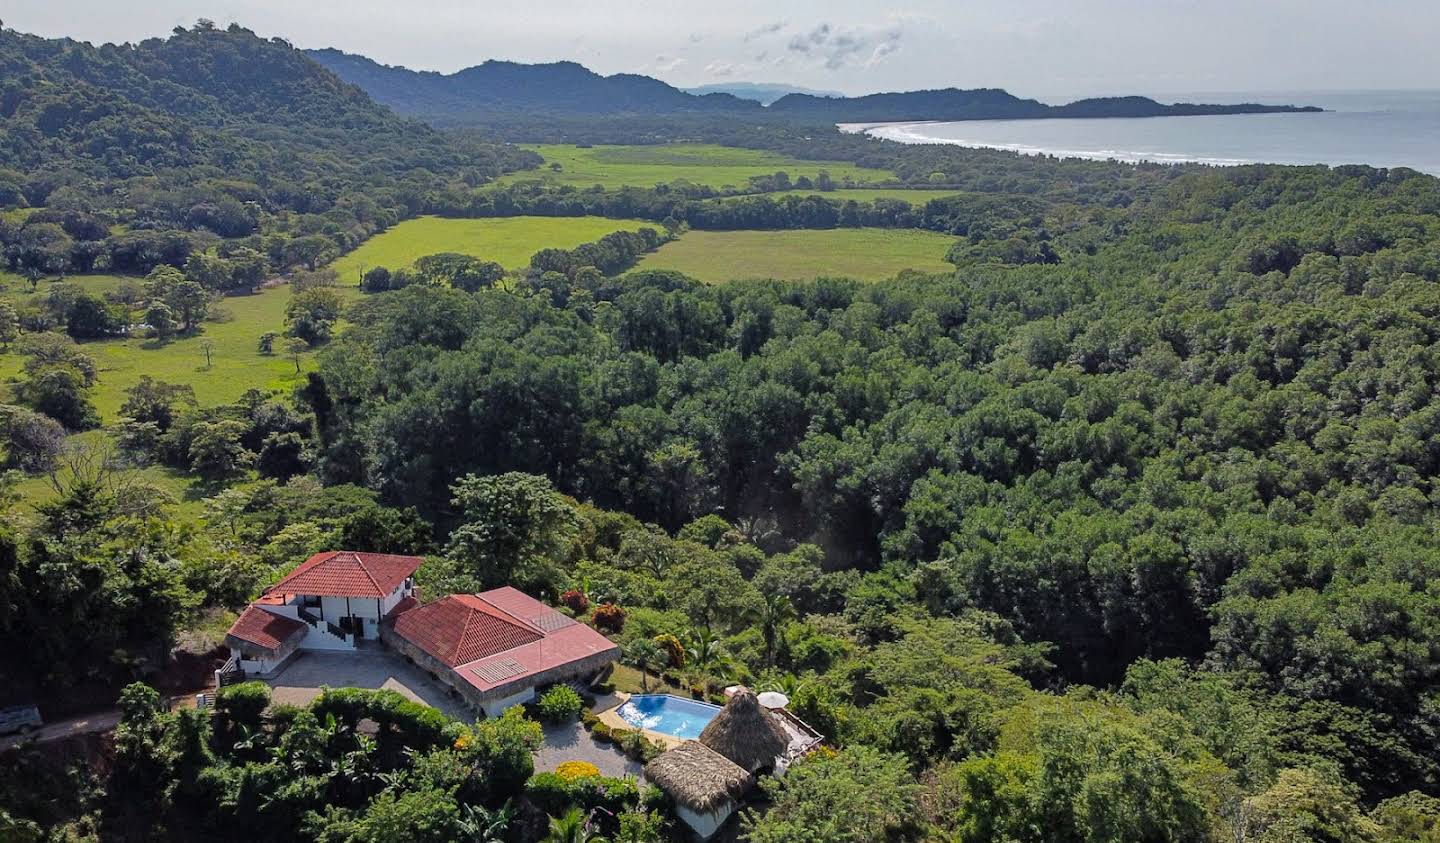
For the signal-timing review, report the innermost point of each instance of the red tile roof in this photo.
(265, 629)
(494, 638)
(462, 628)
(570, 644)
(344, 573)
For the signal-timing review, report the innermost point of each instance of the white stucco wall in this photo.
(261, 667)
(494, 708)
(705, 825)
(321, 639)
(401, 591)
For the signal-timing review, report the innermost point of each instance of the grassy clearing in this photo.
(236, 365)
(187, 495)
(510, 241)
(870, 254)
(865, 194)
(627, 679)
(706, 164)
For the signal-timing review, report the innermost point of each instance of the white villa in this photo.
(492, 649)
(330, 602)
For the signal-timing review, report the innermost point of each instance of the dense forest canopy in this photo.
(1123, 530)
(146, 153)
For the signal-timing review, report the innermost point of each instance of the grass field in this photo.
(509, 241)
(864, 194)
(870, 254)
(706, 164)
(236, 367)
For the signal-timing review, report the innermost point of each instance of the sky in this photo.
(1040, 48)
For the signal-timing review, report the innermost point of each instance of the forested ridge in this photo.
(476, 95)
(146, 153)
(1123, 530)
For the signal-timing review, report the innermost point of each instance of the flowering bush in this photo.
(575, 601)
(673, 649)
(609, 617)
(572, 770)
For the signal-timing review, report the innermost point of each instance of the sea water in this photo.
(1379, 128)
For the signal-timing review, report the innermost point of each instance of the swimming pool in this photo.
(669, 715)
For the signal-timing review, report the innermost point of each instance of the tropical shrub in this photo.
(559, 704)
(609, 618)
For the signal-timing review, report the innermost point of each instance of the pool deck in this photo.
(611, 717)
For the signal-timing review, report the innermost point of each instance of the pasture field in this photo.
(509, 241)
(704, 164)
(870, 254)
(861, 194)
(236, 364)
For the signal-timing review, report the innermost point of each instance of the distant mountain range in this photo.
(761, 92)
(565, 88)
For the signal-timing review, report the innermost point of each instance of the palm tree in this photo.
(706, 651)
(644, 655)
(573, 827)
(775, 611)
(480, 825)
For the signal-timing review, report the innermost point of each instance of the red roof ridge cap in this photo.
(360, 563)
(527, 624)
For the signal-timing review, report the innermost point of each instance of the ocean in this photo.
(1379, 128)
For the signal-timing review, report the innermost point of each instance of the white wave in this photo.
(915, 133)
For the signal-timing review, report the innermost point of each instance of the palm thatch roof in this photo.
(698, 777)
(746, 733)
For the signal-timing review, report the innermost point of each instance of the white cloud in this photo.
(767, 29)
(835, 48)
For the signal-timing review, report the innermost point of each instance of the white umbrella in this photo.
(774, 699)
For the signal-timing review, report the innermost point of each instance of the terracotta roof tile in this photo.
(492, 638)
(265, 629)
(462, 628)
(344, 573)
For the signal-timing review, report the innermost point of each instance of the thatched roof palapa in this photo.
(746, 733)
(698, 777)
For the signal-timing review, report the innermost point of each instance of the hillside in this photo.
(501, 86)
(761, 92)
(159, 147)
(472, 95)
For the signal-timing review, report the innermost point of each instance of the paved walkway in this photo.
(570, 742)
(301, 680)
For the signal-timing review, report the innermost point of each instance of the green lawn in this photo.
(870, 254)
(706, 164)
(236, 364)
(510, 241)
(864, 194)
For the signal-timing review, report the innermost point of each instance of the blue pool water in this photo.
(669, 715)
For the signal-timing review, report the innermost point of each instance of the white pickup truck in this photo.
(19, 718)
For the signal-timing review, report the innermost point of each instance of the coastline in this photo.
(1385, 130)
(906, 133)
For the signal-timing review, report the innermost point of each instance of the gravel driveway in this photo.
(302, 679)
